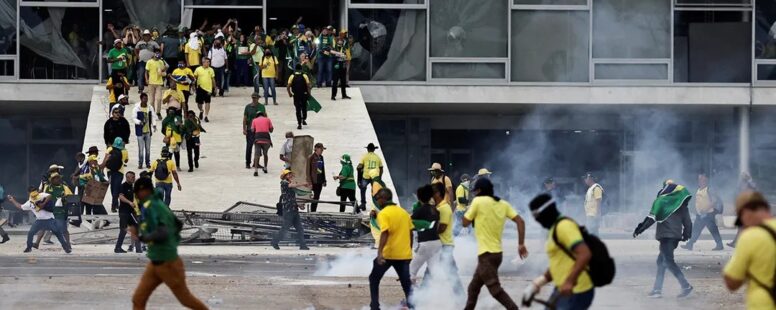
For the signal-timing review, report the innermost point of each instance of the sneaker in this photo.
(131, 248)
(718, 248)
(685, 291)
(48, 242)
(275, 246)
(655, 294)
(119, 250)
(686, 246)
(5, 239)
(207, 120)
(275, 103)
(731, 244)
(139, 166)
(196, 164)
(35, 246)
(148, 165)
(255, 173)
(304, 248)
(68, 251)
(247, 166)
(27, 250)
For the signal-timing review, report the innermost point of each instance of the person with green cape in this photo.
(670, 212)
(173, 130)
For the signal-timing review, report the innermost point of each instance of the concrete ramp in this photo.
(343, 126)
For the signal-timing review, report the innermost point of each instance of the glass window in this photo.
(59, 43)
(765, 29)
(6, 67)
(389, 1)
(631, 71)
(13, 131)
(390, 45)
(722, 38)
(468, 28)
(715, 2)
(631, 28)
(550, 2)
(468, 71)
(7, 27)
(223, 2)
(766, 72)
(560, 55)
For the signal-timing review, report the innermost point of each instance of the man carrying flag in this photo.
(670, 212)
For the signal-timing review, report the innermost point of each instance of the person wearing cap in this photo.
(289, 210)
(324, 57)
(299, 87)
(261, 126)
(317, 173)
(115, 171)
(118, 57)
(593, 198)
(206, 86)
(707, 206)
(117, 86)
(573, 287)
(144, 51)
(250, 112)
(490, 212)
(155, 72)
(92, 171)
(483, 173)
(368, 162)
(376, 184)
(46, 177)
(438, 176)
(462, 198)
(164, 171)
(143, 117)
(670, 212)
(160, 229)
(347, 186)
(193, 51)
(754, 258)
(115, 127)
(219, 61)
(58, 190)
(42, 205)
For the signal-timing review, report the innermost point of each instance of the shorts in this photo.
(202, 96)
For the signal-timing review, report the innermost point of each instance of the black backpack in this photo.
(771, 290)
(161, 172)
(601, 266)
(299, 84)
(114, 160)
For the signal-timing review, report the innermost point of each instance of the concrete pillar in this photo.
(743, 139)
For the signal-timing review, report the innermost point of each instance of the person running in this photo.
(116, 156)
(160, 229)
(368, 162)
(317, 174)
(347, 186)
(143, 117)
(289, 210)
(299, 87)
(395, 247)
(438, 176)
(425, 219)
(573, 287)
(192, 129)
(126, 208)
(707, 206)
(262, 141)
(754, 258)
(164, 171)
(670, 212)
(42, 205)
(445, 228)
(206, 81)
(250, 112)
(490, 213)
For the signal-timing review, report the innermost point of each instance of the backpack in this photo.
(299, 84)
(601, 267)
(771, 290)
(161, 172)
(114, 160)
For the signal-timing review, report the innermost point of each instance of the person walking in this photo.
(160, 229)
(117, 85)
(317, 174)
(169, 43)
(269, 74)
(347, 186)
(289, 211)
(182, 77)
(115, 127)
(206, 81)
(593, 198)
(670, 212)
(754, 258)
(250, 112)
(262, 141)
(192, 129)
(126, 208)
(425, 219)
(461, 202)
(172, 128)
(42, 205)
(298, 87)
(490, 213)
(193, 51)
(286, 149)
(116, 156)
(220, 64)
(707, 206)
(144, 51)
(118, 57)
(448, 267)
(394, 249)
(438, 176)
(369, 162)
(164, 171)
(569, 258)
(155, 71)
(143, 117)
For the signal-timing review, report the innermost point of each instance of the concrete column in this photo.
(743, 139)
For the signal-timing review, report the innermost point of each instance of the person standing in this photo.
(593, 198)
(707, 206)
(490, 213)
(220, 63)
(250, 112)
(369, 162)
(182, 77)
(169, 43)
(144, 51)
(425, 219)
(670, 212)
(269, 70)
(143, 117)
(461, 202)
(483, 173)
(289, 211)
(754, 258)
(325, 60)
(347, 186)
(42, 206)
(438, 176)
(192, 130)
(160, 229)
(446, 230)
(118, 57)
(116, 156)
(340, 70)
(395, 247)
(206, 79)
(126, 208)
(193, 51)
(317, 174)
(573, 286)
(155, 70)
(298, 87)
(115, 127)
(286, 149)
(164, 171)
(262, 140)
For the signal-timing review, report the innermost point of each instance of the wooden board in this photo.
(94, 192)
(303, 147)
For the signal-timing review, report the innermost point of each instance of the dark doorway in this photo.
(247, 18)
(315, 13)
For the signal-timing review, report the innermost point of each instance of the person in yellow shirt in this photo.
(174, 100)
(754, 258)
(490, 213)
(155, 71)
(269, 69)
(368, 162)
(445, 229)
(193, 51)
(438, 176)
(164, 171)
(182, 78)
(593, 198)
(573, 286)
(461, 203)
(707, 206)
(395, 249)
(206, 80)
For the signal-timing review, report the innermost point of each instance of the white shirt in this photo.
(286, 149)
(217, 57)
(39, 214)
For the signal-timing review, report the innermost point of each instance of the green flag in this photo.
(313, 105)
(667, 203)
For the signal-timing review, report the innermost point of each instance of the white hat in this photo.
(115, 107)
(122, 96)
(436, 166)
(55, 166)
(484, 171)
(117, 41)
(146, 31)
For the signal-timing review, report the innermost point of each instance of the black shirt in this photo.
(428, 213)
(125, 208)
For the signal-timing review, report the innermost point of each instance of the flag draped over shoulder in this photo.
(670, 199)
(377, 184)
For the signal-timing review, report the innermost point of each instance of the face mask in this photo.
(181, 65)
(157, 55)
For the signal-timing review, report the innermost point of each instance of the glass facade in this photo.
(418, 41)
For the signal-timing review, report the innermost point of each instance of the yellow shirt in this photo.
(183, 72)
(446, 217)
(376, 187)
(593, 200)
(448, 186)
(192, 55)
(560, 263)
(155, 69)
(398, 224)
(461, 192)
(370, 161)
(173, 98)
(124, 156)
(489, 216)
(170, 168)
(111, 96)
(754, 257)
(703, 203)
(205, 78)
(269, 70)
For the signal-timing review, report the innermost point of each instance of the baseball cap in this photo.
(319, 146)
(484, 171)
(55, 167)
(146, 31)
(284, 173)
(117, 41)
(255, 95)
(143, 184)
(122, 96)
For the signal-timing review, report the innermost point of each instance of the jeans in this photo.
(192, 145)
(487, 274)
(317, 188)
(709, 222)
(141, 75)
(579, 301)
(269, 84)
(362, 185)
(144, 149)
(291, 219)
(348, 194)
(116, 178)
(450, 269)
(300, 104)
(124, 221)
(665, 260)
(402, 268)
(220, 75)
(256, 80)
(173, 275)
(227, 79)
(166, 190)
(249, 139)
(592, 224)
(324, 70)
(458, 222)
(51, 225)
(243, 74)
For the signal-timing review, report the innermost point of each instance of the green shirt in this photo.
(57, 192)
(250, 112)
(348, 182)
(114, 54)
(155, 215)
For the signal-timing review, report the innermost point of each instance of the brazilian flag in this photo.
(670, 199)
(313, 105)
